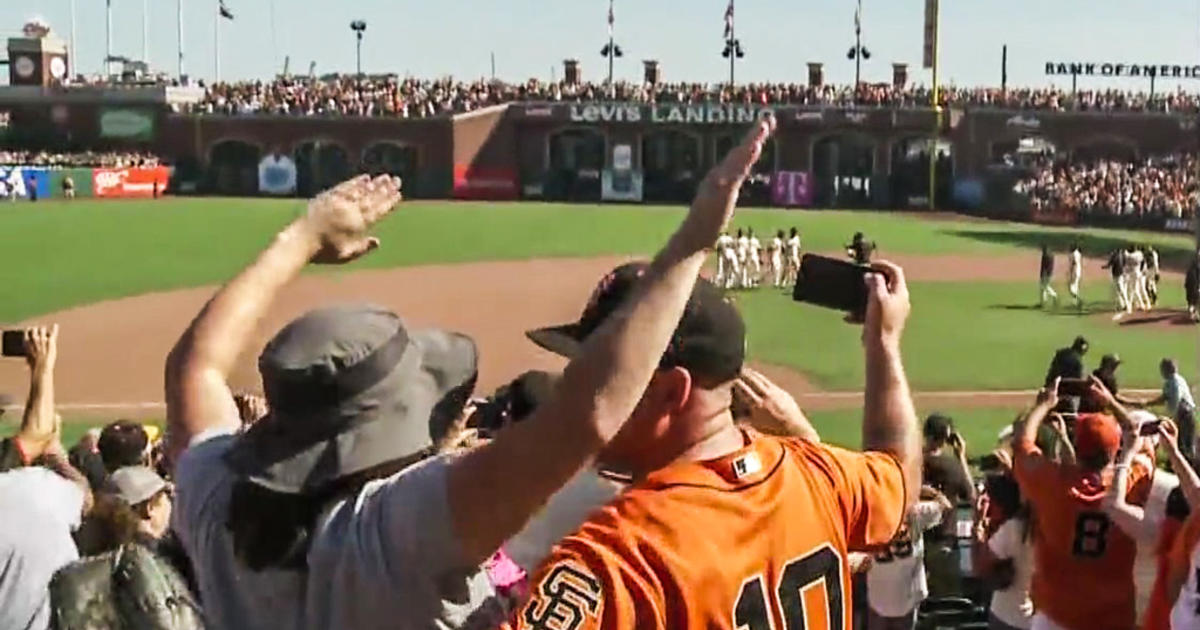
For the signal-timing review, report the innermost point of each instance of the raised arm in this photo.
(39, 429)
(1189, 482)
(198, 367)
(1130, 518)
(494, 489)
(889, 419)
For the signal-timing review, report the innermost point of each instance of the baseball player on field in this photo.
(775, 257)
(755, 259)
(1045, 275)
(1135, 279)
(1116, 265)
(725, 266)
(1152, 274)
(743, 255)
(793, 257)
(1076, 275)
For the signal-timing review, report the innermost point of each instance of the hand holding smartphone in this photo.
(12, 344)
(833, 283)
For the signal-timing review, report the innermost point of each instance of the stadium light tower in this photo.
(733, 46)
(858, 52)
(611, 50)
(359, 27)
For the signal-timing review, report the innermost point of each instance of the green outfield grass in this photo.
(55, 255)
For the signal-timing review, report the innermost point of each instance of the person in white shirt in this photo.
(743, 255)
(1135, 280)
(793, 257)
(1076, 275)
(755, 256)
(896, 583)
(727, 267)
(775, 256)
(1002, 553)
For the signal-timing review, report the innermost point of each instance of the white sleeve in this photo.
(62, 498)
(927, 515)
(1006, 542)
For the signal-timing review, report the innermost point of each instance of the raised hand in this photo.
(341, 217)
(718, 193)
(41, 347)
(887, 303)
(772, 410)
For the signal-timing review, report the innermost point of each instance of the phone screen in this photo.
(13, 343)
(1074, 387)
(832, 283)
(1150, 428)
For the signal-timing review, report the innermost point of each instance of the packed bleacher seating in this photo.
(1165, 186)
(417, 98)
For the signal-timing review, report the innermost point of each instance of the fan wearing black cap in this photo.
(323, 514)
(721, 524)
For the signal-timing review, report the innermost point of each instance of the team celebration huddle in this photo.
(741, 265)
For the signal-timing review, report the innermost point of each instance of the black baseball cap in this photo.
(1110, 359)
(709, 341)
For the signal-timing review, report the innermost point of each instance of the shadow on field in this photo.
(1174, 317)
(1062, 310)
(1173, 256)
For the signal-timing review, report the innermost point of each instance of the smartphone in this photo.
(13, 343)
(832, 283)
(1150, 428)
(1074, 387)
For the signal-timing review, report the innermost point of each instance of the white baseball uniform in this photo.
(1076, 274)
(1136, 281)
(743, 254)
(755, 259)
(793, 258)
(775, 251)
(728, 268)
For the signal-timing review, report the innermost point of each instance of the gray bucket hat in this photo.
(350, 388)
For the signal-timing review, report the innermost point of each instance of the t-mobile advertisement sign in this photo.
(791, 188)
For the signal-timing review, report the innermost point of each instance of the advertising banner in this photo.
(24, 182)
(1054, 216)
(485, 183)
(1177, 225)
(791, 189)
(130, 182)
(81, 178)
(277, 175)
(624, 185)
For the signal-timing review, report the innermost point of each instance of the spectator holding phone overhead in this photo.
(39, 428)
(1083, 573)
(945, 469)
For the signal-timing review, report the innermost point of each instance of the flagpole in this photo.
(72, 63)
(179, 33)
(107, 38)
(217, 43)
(732, 38)
(146, 32)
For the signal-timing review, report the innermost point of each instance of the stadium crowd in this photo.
(57, 159)
(368, 489)
(1165, 186)
(390, 95)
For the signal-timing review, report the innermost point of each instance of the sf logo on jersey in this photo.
(563, 598)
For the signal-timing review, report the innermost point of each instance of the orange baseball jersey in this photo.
(754, 540)
(1158, 612)
(1083, 564)
(1185, 567)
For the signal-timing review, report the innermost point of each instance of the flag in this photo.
(729, 20)
(223, 10)
(611, 19)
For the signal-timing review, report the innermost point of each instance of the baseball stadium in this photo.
(1030, 224)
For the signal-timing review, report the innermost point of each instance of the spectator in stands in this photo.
(945, 469)
(40, 506)
(248, 505)
(1002, 551)
(123, 443)
(85, 457)
(1107, 374)
(40, 425)
(896, 583)
(1176, 396)
(1083, 573)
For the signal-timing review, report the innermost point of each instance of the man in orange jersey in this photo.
(723, 527)
(1083, 565)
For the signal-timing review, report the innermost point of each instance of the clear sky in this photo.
(529, 37)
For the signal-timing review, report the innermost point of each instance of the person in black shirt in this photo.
(1107, 374)
(1045, 275)
(1067, 363)
(860, 249)
(1191, 287)
(946, 470)
(1116, 265)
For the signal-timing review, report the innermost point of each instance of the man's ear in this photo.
(674, 388)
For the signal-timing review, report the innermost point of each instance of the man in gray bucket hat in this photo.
(328, 513)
